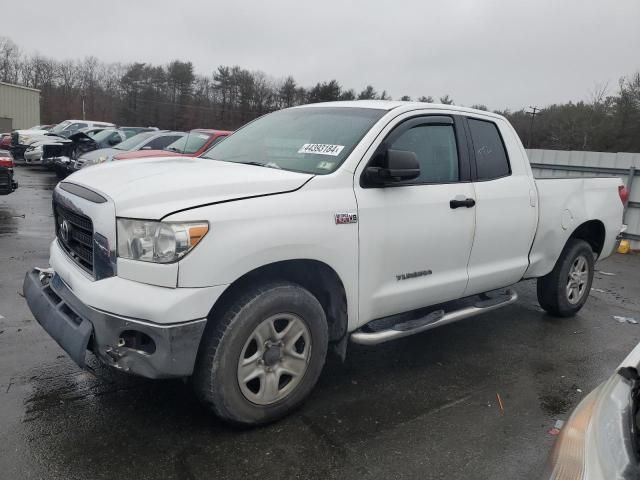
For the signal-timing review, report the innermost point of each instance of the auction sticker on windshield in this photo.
(321, 149)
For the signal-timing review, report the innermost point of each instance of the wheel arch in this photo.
(319, 278)
(593, 232)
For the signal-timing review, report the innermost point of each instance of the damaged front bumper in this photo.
(132, 345)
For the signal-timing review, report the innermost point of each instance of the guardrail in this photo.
(630, 173)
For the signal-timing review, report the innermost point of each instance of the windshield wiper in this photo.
(262, 164)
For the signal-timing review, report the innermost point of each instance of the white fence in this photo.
(558, 163)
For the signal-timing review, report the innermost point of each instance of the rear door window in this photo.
(491, 156)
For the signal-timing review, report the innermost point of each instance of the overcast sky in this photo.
(502, 53)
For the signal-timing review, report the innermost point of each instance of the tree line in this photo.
(174, 96)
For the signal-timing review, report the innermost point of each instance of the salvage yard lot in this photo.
(420, 407)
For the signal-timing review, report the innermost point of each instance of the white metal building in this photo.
(19, 107)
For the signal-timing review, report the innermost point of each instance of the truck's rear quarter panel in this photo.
(564, 205)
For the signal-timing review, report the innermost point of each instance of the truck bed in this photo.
(565, 203)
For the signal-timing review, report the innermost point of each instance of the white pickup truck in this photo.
(364, 221)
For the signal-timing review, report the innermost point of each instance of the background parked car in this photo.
(62, 154)
(50, 147)
(7, 180)
(21, 139)
(5, 141)
(194, 144)
(156, 140)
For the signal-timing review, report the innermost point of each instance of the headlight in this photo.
(568, 456)
(159, 242)
(594, 441)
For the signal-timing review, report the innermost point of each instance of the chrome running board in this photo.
(434, 319)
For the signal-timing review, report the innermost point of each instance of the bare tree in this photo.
(9, 61)
(446, 100)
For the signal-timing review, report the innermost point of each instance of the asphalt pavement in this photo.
(422, 407)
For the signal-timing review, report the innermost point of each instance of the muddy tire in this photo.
(564, 291)
(262, 356)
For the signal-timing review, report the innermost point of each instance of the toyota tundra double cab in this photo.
(308, 228)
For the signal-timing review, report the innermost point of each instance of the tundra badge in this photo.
(407, 276)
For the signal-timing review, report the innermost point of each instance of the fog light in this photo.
(137, 341)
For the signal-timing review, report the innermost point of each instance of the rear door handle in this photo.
(466, 202)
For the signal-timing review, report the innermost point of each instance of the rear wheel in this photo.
(261, 357)
(564, 291)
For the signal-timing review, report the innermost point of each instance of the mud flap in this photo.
(71, 332)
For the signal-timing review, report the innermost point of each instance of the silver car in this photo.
(155, 140)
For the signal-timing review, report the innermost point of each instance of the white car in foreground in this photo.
(310, 226)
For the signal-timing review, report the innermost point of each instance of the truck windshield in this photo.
(310, 140)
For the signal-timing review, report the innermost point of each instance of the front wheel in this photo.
(261, 357)
(564, 291)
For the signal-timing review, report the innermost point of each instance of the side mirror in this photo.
(396, 166)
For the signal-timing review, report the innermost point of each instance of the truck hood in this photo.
(153, 188)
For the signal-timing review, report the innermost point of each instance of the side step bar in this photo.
(433, 319)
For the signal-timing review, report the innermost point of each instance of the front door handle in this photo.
(466, 202)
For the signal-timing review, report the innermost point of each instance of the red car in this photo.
(5, 140)
(194, 144)
(7, 182)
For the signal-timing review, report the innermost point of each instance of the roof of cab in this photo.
(406, 106)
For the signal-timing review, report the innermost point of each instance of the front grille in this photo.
(75, 233)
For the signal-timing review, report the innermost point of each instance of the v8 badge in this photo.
(344, 218)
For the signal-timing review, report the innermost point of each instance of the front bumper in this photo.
(33, 156)
(77, 327)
